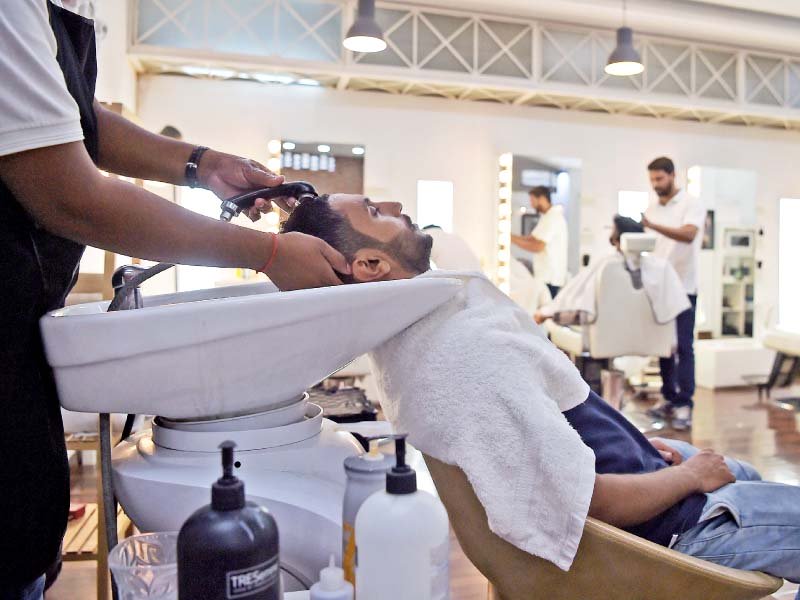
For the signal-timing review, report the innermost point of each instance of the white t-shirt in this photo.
(36, 110)
(681, 210)
(451, 253)
(550, 265)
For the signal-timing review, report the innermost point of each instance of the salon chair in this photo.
(625, 324)
(610, 563)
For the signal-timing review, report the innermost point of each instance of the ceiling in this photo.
(789, 8)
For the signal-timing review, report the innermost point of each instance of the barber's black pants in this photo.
(677, 371)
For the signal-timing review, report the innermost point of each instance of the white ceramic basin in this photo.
(227, 351)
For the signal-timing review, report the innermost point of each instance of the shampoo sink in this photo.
(227, 351)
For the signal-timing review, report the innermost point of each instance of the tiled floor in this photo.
(732, 422)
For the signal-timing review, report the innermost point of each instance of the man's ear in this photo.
(370, 265)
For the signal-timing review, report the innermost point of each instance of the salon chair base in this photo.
(610, 563)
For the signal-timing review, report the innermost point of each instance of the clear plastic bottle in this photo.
(332, 584)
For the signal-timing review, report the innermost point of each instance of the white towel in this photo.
(576, 302)
(477, 384)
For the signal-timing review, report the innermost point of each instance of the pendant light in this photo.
(365, 35)
(624, 60)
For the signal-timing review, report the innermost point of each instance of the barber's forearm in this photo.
(78, 203)
(629, 500)
(127, 149)
(685, 234)
(530, 244)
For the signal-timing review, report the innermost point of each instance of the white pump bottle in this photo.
(402, 540)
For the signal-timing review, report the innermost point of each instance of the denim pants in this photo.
(30, 591)
(752, 525)
(677, 371)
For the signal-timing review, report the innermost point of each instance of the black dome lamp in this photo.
(625, 59)
(365, 34)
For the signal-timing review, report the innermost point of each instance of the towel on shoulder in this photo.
(477, 384)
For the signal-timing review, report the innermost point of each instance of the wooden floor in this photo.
(732, 422)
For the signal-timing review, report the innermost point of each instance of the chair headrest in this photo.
(636, 243)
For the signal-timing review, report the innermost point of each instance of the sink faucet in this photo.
(126, 280)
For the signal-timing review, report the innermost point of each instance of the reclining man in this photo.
(476, 384)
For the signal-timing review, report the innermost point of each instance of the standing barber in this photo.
(678, 219)
(548, 241)
(53, 200)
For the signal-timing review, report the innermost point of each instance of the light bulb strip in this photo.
(505, 177)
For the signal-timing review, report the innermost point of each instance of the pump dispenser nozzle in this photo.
(402, 479)
(227, 493)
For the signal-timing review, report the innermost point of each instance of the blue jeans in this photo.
(30, 591)
(677, 371)
(752, 525)
(554, 289)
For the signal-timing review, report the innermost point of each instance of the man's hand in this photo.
(227, 175)
(709, 471)
(646, 223)
(668, 453)
(303, 261)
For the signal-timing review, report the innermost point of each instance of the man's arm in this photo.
(64, 192)
(529, 243)
(629, 500)
(127, 149)
(684, 233)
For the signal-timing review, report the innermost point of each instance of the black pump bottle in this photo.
(229, 549)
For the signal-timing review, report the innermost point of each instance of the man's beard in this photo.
(414, 251)
(661, 192)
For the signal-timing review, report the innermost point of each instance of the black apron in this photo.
(37, 270)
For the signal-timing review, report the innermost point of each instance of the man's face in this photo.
(614, 240)
(539, 203)
(663, 183)
(385, 222)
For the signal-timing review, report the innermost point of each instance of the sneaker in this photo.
(662, 412)
(682, 418)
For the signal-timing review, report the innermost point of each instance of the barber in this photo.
(677, 218)
(53, 201)
(549, 240)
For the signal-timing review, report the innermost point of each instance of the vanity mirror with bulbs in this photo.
(517, 175)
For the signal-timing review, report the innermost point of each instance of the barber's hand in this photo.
(303, 261)
(709, 471)
(539, 318)
(227, 175)
(646, 222)
(668, 453)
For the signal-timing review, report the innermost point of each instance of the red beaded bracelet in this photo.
(272, 255)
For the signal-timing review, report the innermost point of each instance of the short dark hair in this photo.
(541, 191)
(315, 216)
(627, 225)
(662, 163)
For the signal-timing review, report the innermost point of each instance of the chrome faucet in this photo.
(126, 280)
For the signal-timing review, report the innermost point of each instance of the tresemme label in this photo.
(246, 582)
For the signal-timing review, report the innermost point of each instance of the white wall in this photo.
(418, 138)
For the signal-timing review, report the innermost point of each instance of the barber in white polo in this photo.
(678, 220)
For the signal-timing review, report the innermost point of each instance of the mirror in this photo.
(726, 296)
(533, 274)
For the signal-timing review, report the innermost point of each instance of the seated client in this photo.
(476, 384)
(576, 302)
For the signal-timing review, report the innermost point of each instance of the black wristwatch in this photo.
(190, 174)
